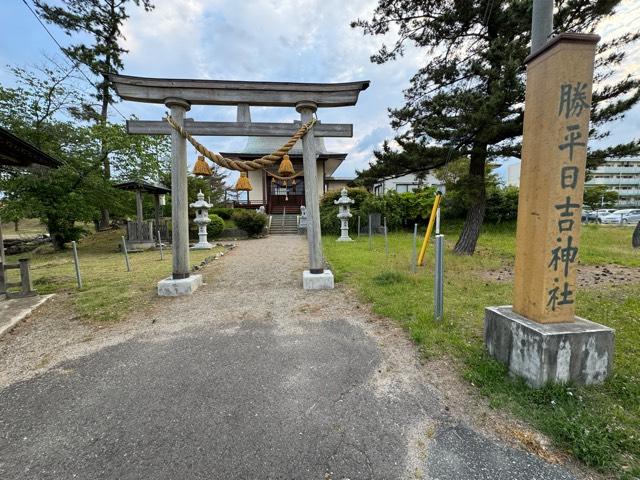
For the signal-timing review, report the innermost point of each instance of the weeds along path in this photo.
(251, 377)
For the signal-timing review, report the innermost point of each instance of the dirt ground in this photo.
(588, 276)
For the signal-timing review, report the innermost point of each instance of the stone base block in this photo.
(580, 352)
(202, 246)
(170, 287)
(344, 239)
(317, 281)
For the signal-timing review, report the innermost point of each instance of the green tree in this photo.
(467, 100)
(102, 21)
(38, 110)
(600, 196)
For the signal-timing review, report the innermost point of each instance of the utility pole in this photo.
(541, 23)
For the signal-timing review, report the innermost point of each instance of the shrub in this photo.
(250, 221)
(223, 212)
(215, 228)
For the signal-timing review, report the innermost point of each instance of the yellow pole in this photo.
(432, 220)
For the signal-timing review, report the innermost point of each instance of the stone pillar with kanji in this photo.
(540, 337)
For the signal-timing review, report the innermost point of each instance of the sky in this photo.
(268, 40)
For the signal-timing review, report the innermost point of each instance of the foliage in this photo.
(467, 99)
(216, 226)
(38, 111)
(250, 221)
(223, 212)
(600, 196)
(502, 204)
(599, 424)
(102, 22)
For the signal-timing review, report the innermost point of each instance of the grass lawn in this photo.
(599, 424)
(109, 291)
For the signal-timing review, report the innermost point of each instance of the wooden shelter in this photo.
(140, 234)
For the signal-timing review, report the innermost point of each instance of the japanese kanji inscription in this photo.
(554, 150)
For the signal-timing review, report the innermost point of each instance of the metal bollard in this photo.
(358, 226)
(414, 251)
(160, 244)
(76, 262)
(438, 284)
(386, 239)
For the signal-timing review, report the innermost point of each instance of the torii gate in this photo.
(179, 95)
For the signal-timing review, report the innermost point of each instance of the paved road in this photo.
(251, 378)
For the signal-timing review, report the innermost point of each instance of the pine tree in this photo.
(102, 21)
(467, 99)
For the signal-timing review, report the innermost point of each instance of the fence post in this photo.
(76, 262)
(358, 226)
(369, 231)
(386, 239)
(438, 279)
(25, 277)
(414, 252)
(3, 288)
(2, 259)
(126, 254)
(160, 244)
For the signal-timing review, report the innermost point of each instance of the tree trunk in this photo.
(105, 221)
(635, 240)
(16, 224)
(466, 244)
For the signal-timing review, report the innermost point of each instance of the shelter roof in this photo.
(144, 186)
(16, 152)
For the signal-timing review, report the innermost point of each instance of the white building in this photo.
(622, 176)
(405, 183)
(513, 175)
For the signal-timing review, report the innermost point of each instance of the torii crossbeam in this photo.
(179, 94)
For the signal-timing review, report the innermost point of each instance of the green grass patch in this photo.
(109, 292)
(600, 424)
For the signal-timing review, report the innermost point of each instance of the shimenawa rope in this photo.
(243, 165)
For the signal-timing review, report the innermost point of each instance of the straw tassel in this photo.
(201, 167)
(286, 167)
(243, 183)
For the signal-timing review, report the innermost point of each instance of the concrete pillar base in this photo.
(170, 287)
(317, 281)
(580, 352)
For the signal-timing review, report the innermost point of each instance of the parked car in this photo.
(628, 215)
(588, 215)
(602, 213)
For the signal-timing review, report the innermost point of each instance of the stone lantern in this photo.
(202, 220)
(344, 215)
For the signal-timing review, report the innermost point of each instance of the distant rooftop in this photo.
(258, 146)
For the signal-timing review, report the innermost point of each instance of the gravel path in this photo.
(251, 377)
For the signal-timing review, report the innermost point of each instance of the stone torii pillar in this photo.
(180, 282)
(316, 277)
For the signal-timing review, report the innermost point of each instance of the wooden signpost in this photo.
(539, 337)
(554, 152)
